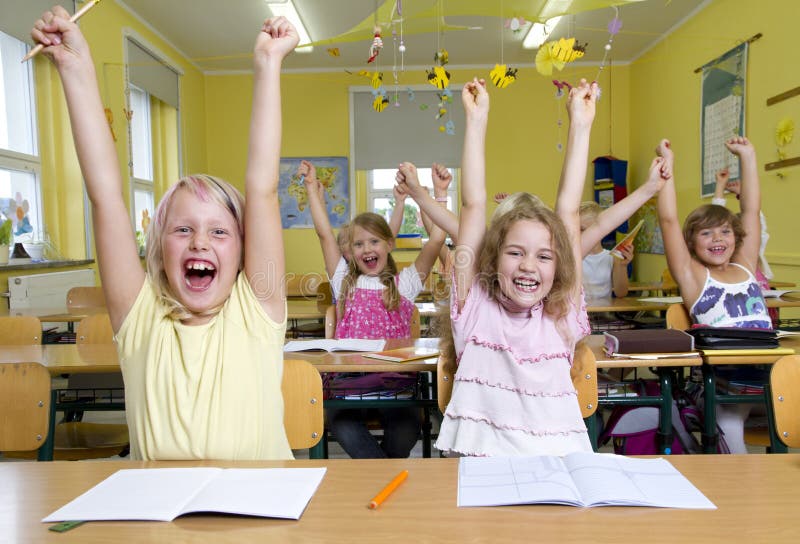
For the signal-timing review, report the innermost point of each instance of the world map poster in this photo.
(332, 173)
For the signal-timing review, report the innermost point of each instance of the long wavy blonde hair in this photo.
(208, 189)
(518, 207)
(376, 225)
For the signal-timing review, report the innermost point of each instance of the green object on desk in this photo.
(65, 526)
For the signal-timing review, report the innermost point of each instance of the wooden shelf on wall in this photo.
(794, 161)
(783, 96)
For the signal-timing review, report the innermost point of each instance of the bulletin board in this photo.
(723, 106)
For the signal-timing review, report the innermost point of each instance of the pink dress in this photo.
(512, 393)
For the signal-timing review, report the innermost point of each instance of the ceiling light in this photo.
(286, 9)
(539, 32)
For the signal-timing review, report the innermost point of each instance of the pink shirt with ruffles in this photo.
(512, 393)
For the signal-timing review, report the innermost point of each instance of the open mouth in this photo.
(717, 250)
(370, 262)
(526, 285)
(199, 274)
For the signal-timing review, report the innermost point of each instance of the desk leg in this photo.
(45, 452)
(318, 450)
(665, 436)
(591, 428)
(710, 438)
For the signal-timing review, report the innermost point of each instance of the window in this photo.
(142, 163)
(20, 193)
(380, 198)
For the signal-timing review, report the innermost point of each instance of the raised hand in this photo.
(722, 177)
(656, 178)
(499, 197)
(627, 255)
(475, 99)
(277, 38)
(407, 179)
(309, 173)
(664, 149)
(581, 103)
(441, 177)
(734, 186)
(741, 147)
(400, 194)
(64, 43)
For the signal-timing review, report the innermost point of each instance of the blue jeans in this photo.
(401, 429)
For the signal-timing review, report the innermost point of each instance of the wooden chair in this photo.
(303, 285)
(678, 317)
(86, 297)
(784, 387)
(95, 329)
(331, 316)
(324, 296)
(24, 406)
(584, 378)
(669, 287)
(20, 331)
(302, 404)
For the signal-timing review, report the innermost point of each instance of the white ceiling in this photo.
(218, 36)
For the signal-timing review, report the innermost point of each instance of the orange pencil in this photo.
(78, 14)
(386, 491)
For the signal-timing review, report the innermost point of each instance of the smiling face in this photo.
(526, 264)
(202, 251)
(370, 251)
(714, 246)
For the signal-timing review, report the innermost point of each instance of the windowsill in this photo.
(27, 264)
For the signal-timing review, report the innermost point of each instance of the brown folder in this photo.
(648, 341)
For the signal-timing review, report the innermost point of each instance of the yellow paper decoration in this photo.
(439, 77)
(502, 76)
(784, 132)
(380, 103)
(556, 55)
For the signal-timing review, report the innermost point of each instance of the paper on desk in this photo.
(664, 300)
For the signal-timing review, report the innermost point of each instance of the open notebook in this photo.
(163, 494)
(344, 344)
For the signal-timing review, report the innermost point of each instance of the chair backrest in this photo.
(94, 329)
(324, 295)
(86, 297)
(784, 383)
(678, 317)
(20, 330)
(583, 373)
(330, 322)
(303, 285)
(668, 284)
(302, 404)
(24, 406)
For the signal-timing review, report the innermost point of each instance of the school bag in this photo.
(633, 430)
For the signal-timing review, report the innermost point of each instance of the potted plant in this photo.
(5, 240)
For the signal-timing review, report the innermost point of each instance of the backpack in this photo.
(634, 429)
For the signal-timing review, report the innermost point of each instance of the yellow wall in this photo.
(666, 103)
(521, 143)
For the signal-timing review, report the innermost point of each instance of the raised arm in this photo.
(581, 109)
(721, 178)
(472, 223)
(439, 214)
(117, 255)
(319, 215)
(396, 220)
(619, 272)
(264, 261)
(614, 216)
(749, 200)
(679, 260)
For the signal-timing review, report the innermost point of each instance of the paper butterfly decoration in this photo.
(380, 103)
(502, 76)
(438, 77)
(334, 51)
(784, 132)
(557, 54)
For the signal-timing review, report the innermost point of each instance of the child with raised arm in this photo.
(517, 308)
(714, 259)
(602, 272)
(200, 335)
(373, 301)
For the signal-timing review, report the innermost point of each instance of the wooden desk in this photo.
(710, 434)
(423, 508)
(664, 368)
(59, 314)
(636, 286)
(623, 304)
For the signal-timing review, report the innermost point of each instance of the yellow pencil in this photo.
(386, 491)
(78, 14)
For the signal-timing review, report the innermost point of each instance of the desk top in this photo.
(709, 357)
(623, 304)
(60, 314)
(761, 507)
(94, 358)
(595, 343)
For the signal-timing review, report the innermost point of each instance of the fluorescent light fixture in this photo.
(539, 32)
(286, 9)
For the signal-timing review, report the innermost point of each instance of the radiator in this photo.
(46, 290)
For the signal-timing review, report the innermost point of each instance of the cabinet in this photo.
(610, 186)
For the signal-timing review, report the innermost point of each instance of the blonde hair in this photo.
(519, 207)
(376, 225)
(208, 189)
(590, 209)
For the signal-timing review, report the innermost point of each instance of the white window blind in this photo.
(151, 74)
(405, 133)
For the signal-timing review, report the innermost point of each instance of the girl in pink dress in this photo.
(517, 307)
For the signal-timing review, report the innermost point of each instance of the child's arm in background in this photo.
(679, 261)
(407, 176)
(396, 220)
(440, 215)
(472, 223)
(619, 272)
(749, 200)
(264, 261)
(722, 179)
(613, 217)
(581, 110)
(117, 255)
(319, 216)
